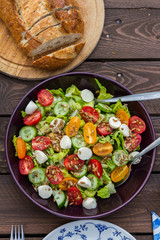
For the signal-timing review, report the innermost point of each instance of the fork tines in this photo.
(17, 233)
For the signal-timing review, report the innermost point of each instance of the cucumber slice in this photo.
(37, 175)
(80, 173)
(66, 202)
(61, 109)
(104, 107)
(94, 182)
(120, 157)
(59, 197)
(27, 133)
(41, 109)
(78, 141)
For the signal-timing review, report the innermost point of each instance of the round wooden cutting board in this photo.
(13, 62)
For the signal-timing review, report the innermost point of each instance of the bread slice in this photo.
(36, 36)
(60, 58)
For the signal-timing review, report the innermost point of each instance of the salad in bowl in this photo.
(75, 149)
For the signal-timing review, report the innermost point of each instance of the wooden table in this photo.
(128, 51)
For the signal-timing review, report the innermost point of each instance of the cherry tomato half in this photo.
(122, 116)
(40, 143)
(119, 173)
(54, 174)
(68, 182)
(74, 196)
(89, 133)
(32, 119)
(21, 148)
(137, 125)
(44, 97)
(25, 165)
(89, 114)
(73, 126)
(104, 128)
(132, 142)
(73, 163)
(102, 149)
(95, 167)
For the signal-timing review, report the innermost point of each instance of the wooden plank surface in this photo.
(132, 4)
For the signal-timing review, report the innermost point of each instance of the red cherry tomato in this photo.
(54, 174)
(95, 167)
(132, 142)
(73, 163)
(137, 125)
(104, 128)
(89, 114)
(44, 97)
(32, 119)
(25, 165)
(40, 143)
(74, 196)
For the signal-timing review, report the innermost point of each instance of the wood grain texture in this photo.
(134, 217)
(130, 34)
(131, 4)
(15, 63)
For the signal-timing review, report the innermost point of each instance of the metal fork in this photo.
(17, 233)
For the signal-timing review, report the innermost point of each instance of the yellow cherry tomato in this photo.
(73, 126)
(102, 149)
(90, 133)
(119, 173)
(68, 182)
(21, 148)
(122, 116)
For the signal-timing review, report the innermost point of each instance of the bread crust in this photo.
(60, 58)
(43, 25)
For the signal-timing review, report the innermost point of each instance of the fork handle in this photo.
(133, 97)
(147, 149)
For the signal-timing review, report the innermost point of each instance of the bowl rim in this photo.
(94, 75)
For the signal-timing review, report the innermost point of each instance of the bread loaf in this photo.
(41, 27)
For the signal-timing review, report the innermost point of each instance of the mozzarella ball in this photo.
(41, 157)
(45, 191)
(124, 129)
(114, 122)
(30, 108)
(89, 203)
(84, 153)
(65, 142)
(84, 182)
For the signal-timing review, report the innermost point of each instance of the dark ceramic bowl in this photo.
(126, 192)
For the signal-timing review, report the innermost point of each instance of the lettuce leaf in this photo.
(103, 91)
(118, 106)
(73, 90)
(106, 191)
(58, 92)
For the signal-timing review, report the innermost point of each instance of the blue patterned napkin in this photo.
(156, 226)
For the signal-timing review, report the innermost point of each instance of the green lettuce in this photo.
(106, 191)
(57, 157)
(118, 106)
(103, 91)
(73, 90)
(58, 92)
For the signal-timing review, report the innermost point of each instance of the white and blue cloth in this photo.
(156, 226)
